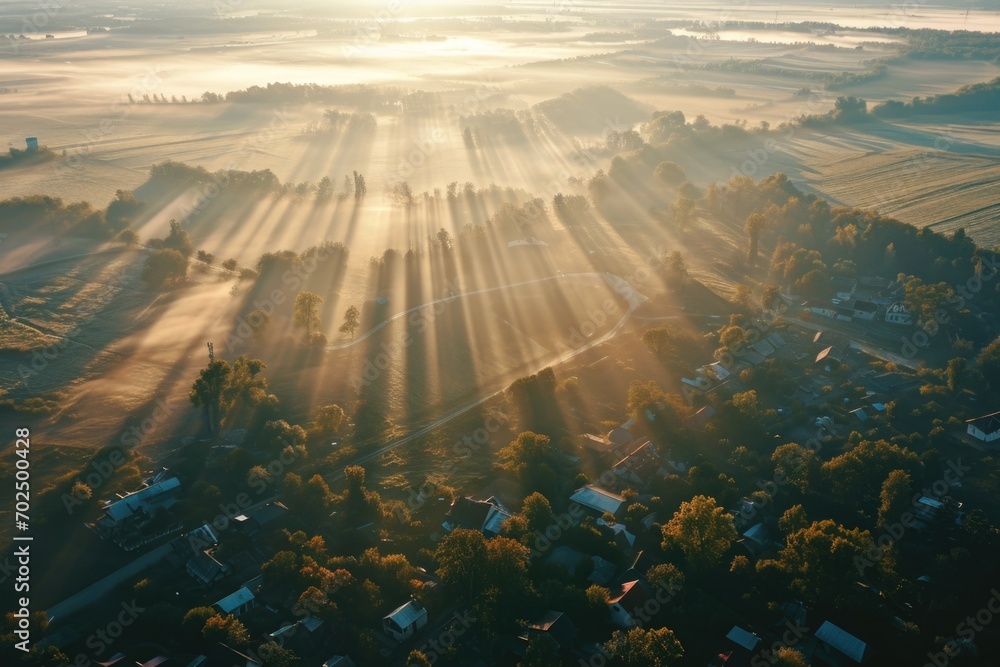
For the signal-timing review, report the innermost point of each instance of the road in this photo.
(99, 589)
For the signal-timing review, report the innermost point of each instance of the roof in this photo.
(744, 638)
(619, 530)
(642, 461)
(842, 284)
(224, 656)
(556, 625)
(235, 600)
(816, 303)
(620, 436)
(763, 347)
(407, 614)
(865, 306)
(987, 423)
(603, 572)
(596, 442)
(700, 419)
(127, 506)
(829, 353)
(598, 499)
(204, 566)
(469, 513)
(842, 641)
(631, 595)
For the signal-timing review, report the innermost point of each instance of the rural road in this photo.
(100, 589)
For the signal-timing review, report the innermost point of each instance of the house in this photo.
(252, 522)
(205, 568)
(897, 314)
(487, 515)
(603, 572)
(622, 435)
(628, 603)
(843, 288)
(237, 603)
(834, 638)
(622, 537)
(224, 656)
(640, 466)
(146, 501)
(405, 620)
(843, 313)
(985, 428)
(741, 645)
(699, 420)
(597, 443)
(863, 310)
(820, 308)
(555, 626)
(598, 499)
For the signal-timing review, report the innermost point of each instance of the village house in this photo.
(985, 428)
(487, 515)
(835, 640)
(598, 500)
(237, 603)
(405, 620)
(897, 314)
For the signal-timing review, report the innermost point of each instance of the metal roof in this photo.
(235, 600)
(598, 499)
(842, 641)
(744, 638)
(126, 507)
(408, 614)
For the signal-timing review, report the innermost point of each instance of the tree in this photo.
(927, 303)
(642, 395)
(306, 311)
(795, 464)
(786, 656)
(351, 318)
(895, 499)
(988, 363)
(470, 564)
(537, 511)
(639, 647)
(753, 227)
(226, 629)
(857, 475)
(702, 530)
(666, 577)
(684, 212)
(402, 195)
(177, 239)
(418, 659)
(328, 421)
(360, 189)
(540, 652)
(276, 655)
(164, 268)
(793, 519)
(222, 390)
(821, 560)
(258, 321)
(670, 173)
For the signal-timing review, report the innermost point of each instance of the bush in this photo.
(164, 268)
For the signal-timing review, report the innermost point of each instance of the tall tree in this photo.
(639, 647)
(352, 317)
(895, 499)
(753, 227)
(702, 530)
(306, 311)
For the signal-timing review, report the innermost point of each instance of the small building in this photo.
(628, 603)
(224, 656)
(147, 500)
(699, 420)
(405, 620)
(31, 143)
(834, 638)
(597, 443)
(205, 568)
(555, 626)
(237, 603)
(897, 314)
(487, 515)
(843, 288)
(254, 521)
(598, 500)
(743, 638)
(641, 466)
(820, 308)
(985, 428)
(863, 310)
